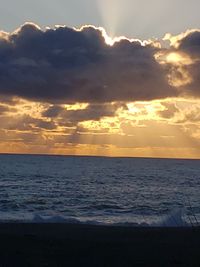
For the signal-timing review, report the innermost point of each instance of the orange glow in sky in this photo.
(144, 103)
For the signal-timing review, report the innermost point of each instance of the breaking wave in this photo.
(174, 219)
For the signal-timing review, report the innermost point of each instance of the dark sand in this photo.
(85, 245)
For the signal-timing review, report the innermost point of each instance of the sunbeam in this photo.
(110, 14)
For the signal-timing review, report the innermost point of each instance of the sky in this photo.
(133, 18)
(108, 78)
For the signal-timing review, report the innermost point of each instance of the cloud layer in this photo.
(65, 65)
(64, 90)
(68, 65)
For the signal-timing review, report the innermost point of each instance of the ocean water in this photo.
(134, 191)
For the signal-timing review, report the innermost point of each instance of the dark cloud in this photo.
(189, 44)
(66, 65)
(9, 100)
(3, 109)
(169, 111)
(25, 123)
(92, 112)
(53, 111)
(190, 116)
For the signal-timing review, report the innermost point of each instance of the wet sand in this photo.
(86, 245)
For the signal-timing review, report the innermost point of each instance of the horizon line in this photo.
(94, 156)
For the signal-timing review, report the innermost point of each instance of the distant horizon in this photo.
(93, 156)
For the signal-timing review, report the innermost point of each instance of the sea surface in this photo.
(99, 190)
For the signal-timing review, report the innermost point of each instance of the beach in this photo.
(53, 244)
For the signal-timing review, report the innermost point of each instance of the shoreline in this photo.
(60, 244)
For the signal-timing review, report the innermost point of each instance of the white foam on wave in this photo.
(174, 219)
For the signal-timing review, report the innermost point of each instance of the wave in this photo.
(174, 219)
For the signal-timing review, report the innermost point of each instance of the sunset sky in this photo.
(109, 78)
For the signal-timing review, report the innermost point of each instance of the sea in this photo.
(99, 190)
